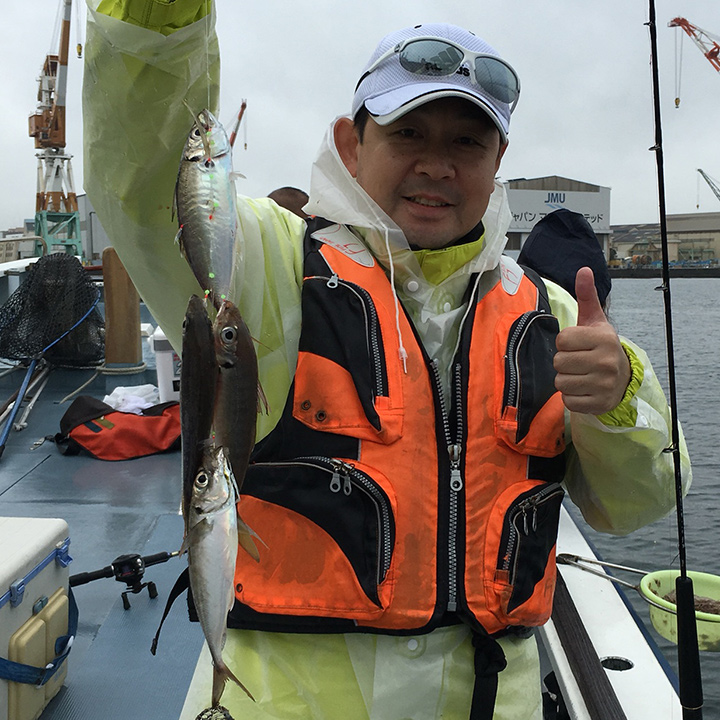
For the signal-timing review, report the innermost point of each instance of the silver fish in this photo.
(198, 379)
(206, 206)
(211, 543)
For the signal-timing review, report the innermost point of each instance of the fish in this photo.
(236, 400)
(236, 394)
(198, 382)
(206, 206)
(211, 544)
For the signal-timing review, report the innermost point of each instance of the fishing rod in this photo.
(691, 695)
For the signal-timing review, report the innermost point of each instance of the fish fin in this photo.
(245, 539)
(255, 340)
(235, 175)
(193, 534)
(247, 544)
(263, 404)
(220, 676)
(179, 242)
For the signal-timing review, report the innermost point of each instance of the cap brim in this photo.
(392, 105)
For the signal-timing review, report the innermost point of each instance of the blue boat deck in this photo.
(112, 508)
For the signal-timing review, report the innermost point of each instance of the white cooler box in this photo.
(33, 608)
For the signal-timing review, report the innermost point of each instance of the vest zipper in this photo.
(454, 449)
(512, 390)
(525, 512)
(372, 324)
(344, 476)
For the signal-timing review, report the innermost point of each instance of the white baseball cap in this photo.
(418, 64)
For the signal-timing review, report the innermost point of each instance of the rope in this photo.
(678, 65)
(104, 370)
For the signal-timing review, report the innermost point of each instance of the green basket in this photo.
(655, 585)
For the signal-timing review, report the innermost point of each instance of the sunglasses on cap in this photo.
(437, 57)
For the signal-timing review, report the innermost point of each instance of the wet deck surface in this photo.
(112, 508)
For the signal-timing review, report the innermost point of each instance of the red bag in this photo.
(92, 426)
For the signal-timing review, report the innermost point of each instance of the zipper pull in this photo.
(347, 483)
(456, 481)
(333, 281)
(526, 529)
(335, 479)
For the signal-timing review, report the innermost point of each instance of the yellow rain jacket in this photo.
(142, 58)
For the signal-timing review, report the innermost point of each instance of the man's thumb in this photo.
(590, 310)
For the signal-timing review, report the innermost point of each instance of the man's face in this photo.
(432, 171)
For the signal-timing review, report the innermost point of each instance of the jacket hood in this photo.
(436, 309)
(337, 196)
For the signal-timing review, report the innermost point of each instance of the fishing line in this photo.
(691, 697)
(207, 51)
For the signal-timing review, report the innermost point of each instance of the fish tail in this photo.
(220, 676)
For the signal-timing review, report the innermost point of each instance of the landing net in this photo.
(57, 297)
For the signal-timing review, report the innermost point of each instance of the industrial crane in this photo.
(707, 42)
(713, 185)
(57, 220)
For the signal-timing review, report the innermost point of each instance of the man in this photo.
(399, 458)
(291, 198)
(559, 245)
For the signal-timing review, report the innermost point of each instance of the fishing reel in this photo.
(128, 569)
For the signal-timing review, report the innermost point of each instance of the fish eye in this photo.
(201, 480)
(229, 334)
(196, 132)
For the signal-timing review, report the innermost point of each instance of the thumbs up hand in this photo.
(593, 371)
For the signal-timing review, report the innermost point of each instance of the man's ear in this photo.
(346, 142)
(503, 148)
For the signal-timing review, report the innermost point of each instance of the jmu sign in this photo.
(529, 206)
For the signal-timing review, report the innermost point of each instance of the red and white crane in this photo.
(707, 42)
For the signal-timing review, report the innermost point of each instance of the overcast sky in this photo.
(585, 110)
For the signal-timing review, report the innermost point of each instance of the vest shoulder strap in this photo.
(540, 284)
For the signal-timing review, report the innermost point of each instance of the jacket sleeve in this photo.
(617, 471)
(143, 58)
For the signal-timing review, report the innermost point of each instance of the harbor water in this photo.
(637, 310)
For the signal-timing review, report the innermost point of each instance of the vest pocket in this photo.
(342, 383)
(519, 557)
(328, 532)
(531, 413)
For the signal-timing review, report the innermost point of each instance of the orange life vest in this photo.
(384, 507)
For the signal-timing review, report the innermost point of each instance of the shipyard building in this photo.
(693, 238)
(532, 199)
